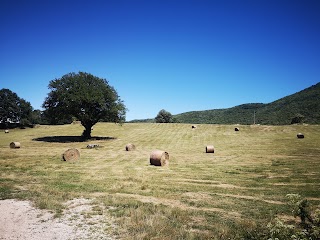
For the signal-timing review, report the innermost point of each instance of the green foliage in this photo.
(298, 118)
(14, 109)
(37, 117)
(307, 229)
(279, 230)
(300, 207)
(24, 123)
(85, 97)
(164, 117)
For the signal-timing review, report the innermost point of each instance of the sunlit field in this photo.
(241, 186)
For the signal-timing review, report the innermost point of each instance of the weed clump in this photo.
(308, 228)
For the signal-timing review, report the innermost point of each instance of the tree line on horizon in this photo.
(89, 99)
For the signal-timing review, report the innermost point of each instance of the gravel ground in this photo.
(81, 220)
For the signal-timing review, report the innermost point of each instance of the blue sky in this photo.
(177, 55)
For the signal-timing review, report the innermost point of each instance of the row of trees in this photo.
(84, 97)
(75, 96)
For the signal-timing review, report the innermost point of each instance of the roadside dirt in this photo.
(81, 220)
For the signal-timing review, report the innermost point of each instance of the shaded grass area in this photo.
(198, 196)
(66, 139)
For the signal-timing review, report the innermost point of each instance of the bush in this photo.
(307, 229)
(297, 119)
(25, 123)
(164, 117)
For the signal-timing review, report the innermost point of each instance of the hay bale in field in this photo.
(92, 145)
(237, 129)
(159, 158)
(209, 149)
(193, 126)
(6, 131)
(71, 155)
(300, 135)
(130, 147)
(15, 145)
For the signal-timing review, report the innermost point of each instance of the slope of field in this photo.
(198, 196)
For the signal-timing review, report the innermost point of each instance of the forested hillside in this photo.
(301, 107)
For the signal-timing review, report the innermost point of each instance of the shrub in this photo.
(307, 229)
(164, 117)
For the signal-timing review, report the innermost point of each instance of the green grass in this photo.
(198, 196)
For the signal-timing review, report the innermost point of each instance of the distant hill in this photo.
(303, 106)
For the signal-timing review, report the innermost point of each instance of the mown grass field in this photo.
(241, 186)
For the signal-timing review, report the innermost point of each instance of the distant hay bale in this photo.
(209, 149)
(15, 145)
(71, 155)
(130, 147)
(159, 158)
(236, 129)
(300, 135)
(193, 126)
(92, 145)
(6, 131)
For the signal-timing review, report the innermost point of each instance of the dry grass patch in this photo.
(197, 196)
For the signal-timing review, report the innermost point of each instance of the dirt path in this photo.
(19, 220)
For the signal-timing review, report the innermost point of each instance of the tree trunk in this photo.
(87, 131)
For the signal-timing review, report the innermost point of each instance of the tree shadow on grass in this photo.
(66, 139)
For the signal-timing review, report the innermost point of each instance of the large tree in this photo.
(85, 97)
(14, 109)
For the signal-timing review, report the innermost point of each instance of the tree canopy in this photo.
(164, 117)
(85, 97)
(14, 109)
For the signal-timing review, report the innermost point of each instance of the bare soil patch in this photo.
(81, 220)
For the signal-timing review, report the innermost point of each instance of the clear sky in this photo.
(177, 55)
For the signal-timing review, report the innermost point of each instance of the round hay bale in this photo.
(130, 147)
(236, 129)
(6, 131)
(71, 155)
(15, 145)
(92, 145)
(193, 126)
(209, 149)
(300, 135)
(159, 158)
